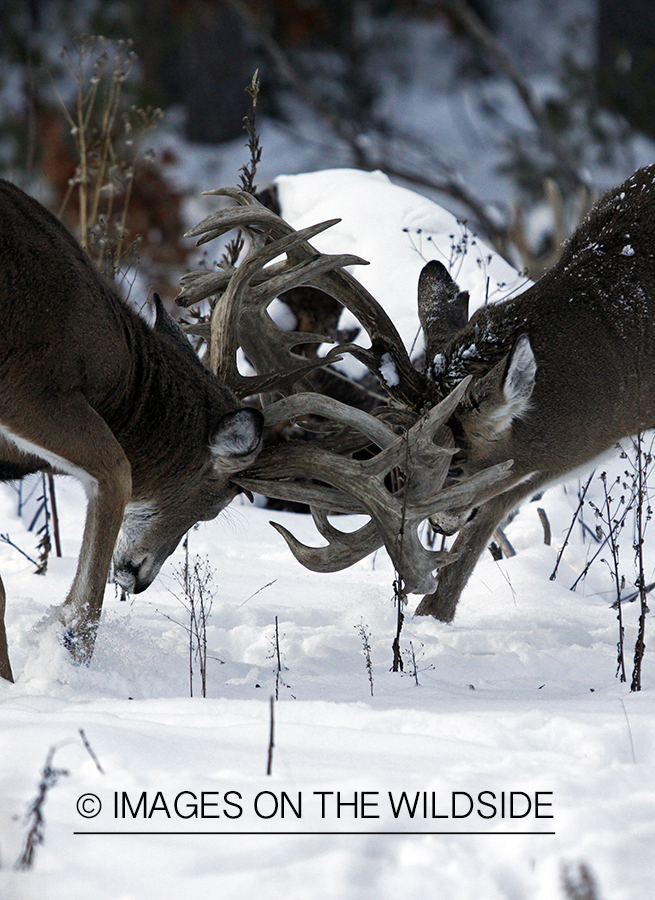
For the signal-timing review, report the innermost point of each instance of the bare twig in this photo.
(643, 513)
(108, 141)
(36, 833)
(614, 526)
(504, 544)
(553, 574)
(53, 512)
(195, 578)
(545, 524)
(90, 751)
(366, 646)
(342, 127)
(7, 540)
(279, 666)
(248, 171)
(271, 736)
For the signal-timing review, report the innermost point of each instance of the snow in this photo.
(388, 371)
(518, 696)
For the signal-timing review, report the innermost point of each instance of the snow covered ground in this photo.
(519, 753)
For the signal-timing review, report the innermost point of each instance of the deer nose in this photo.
(131, 577)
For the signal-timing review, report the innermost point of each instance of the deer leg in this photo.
(5, 666)
(470, 544)
(77, 441)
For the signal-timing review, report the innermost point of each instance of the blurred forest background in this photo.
(514, 114)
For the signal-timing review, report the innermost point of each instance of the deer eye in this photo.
(455, 472)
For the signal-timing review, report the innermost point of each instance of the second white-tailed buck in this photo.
(560, 373)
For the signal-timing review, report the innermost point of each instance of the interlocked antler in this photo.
(307, 471)
(361, 487)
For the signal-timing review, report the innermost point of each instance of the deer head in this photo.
(162, 510)
(559, 374)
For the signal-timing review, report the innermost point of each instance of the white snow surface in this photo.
(518, 695)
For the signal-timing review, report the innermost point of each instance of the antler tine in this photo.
(410, 386)
(330, 408)
(343, 550)
(241, 318)
(391, 522)
(302, 492)
(215, 224)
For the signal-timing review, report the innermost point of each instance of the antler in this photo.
(240, 318)
(360, 487)
(323, 472)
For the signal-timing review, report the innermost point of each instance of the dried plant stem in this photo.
(248, 171)
(7, 540)
(271, 737)
(365, 636)
(44, 545)
(278, 661)
(195, 578)
(614, 525)
(581, 498)
(643, 514)
(35, 835)
(545, 524)
(108, 140)
(400, 599)
(54, 513)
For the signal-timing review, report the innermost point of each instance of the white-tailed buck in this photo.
(528, 390)
(89, 389)
(560, 373)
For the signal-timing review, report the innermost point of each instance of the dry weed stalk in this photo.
(195, 578)
(35, 817)
(365, 635)
(108, 137)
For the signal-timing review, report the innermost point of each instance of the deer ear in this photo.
(237, 439)
(521, 372)
(504, 394)
(442, 307)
